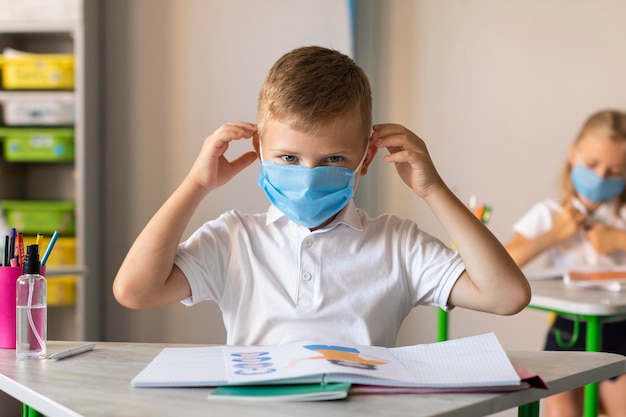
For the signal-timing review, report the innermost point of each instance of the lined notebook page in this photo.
(183, 367)
(475, 361)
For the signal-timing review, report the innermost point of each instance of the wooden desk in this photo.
(97, 384)
(590, 305)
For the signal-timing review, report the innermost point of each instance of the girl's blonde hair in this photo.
(313, 88)
(609, 124)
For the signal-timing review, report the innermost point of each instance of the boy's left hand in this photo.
(409, 154)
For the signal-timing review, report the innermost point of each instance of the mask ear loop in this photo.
(358, 168)
(260, 146)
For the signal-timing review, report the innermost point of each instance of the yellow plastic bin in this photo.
(61, 288)
(37, 72)
(63, 253)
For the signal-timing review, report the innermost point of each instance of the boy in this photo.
(314, 267)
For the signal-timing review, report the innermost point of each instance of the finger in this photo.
(579, 215)
(409, 153)
(251, 127)
(237, 129)
(240, 130)
(403, 157)
(394, 149)
(406, 140)
(399, 155)
(385, 128)
(243, 161)
(384, 131)
(232, 131)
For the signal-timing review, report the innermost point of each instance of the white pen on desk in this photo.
(72, 352)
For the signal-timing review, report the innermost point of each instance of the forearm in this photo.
(147, 267)
(495, 282)
(524, 250)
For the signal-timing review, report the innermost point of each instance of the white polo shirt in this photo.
(353, 281)
(576, 251)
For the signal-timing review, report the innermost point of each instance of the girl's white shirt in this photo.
(576, 251)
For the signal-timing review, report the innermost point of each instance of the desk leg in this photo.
(594, 339)
(30, 412)
(442, 325)
(528, 410)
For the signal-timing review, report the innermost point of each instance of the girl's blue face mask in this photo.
(593, 187)
(308, 196)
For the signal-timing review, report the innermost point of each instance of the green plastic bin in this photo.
(37, 216)
(38, 144)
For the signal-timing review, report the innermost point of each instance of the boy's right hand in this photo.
(211, 168)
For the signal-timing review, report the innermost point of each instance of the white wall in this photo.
(174, 72)
(497, 89)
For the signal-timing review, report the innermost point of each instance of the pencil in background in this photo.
(46, 254)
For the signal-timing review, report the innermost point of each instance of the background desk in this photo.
(555, 295)
(590, 305)
(97, 384)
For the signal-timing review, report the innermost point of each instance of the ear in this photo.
(255, 145)
(371, 153)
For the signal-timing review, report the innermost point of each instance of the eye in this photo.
(334, 159)
(288, 158)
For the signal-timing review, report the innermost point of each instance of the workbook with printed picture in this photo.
(478, 363)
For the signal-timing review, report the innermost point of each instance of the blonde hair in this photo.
(312, 88)
(609, 124)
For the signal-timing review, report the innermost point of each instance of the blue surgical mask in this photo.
(308, 196)
(593, 187)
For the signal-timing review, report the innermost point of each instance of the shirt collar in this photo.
(348, 216)
(604, 206)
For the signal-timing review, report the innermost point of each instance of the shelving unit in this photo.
(60, 27)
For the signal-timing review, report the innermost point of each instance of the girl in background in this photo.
(586, 228)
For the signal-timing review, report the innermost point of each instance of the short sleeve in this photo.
(537, 220)
(433, 267)
(202, 259)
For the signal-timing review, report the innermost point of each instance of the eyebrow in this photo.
(325, 155)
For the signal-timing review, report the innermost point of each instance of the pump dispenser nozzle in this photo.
(31, 260)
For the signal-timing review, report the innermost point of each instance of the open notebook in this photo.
(477, 361)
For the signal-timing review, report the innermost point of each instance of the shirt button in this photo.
(306, 276)
(308, 243)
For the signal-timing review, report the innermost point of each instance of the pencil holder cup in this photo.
(8, 278)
